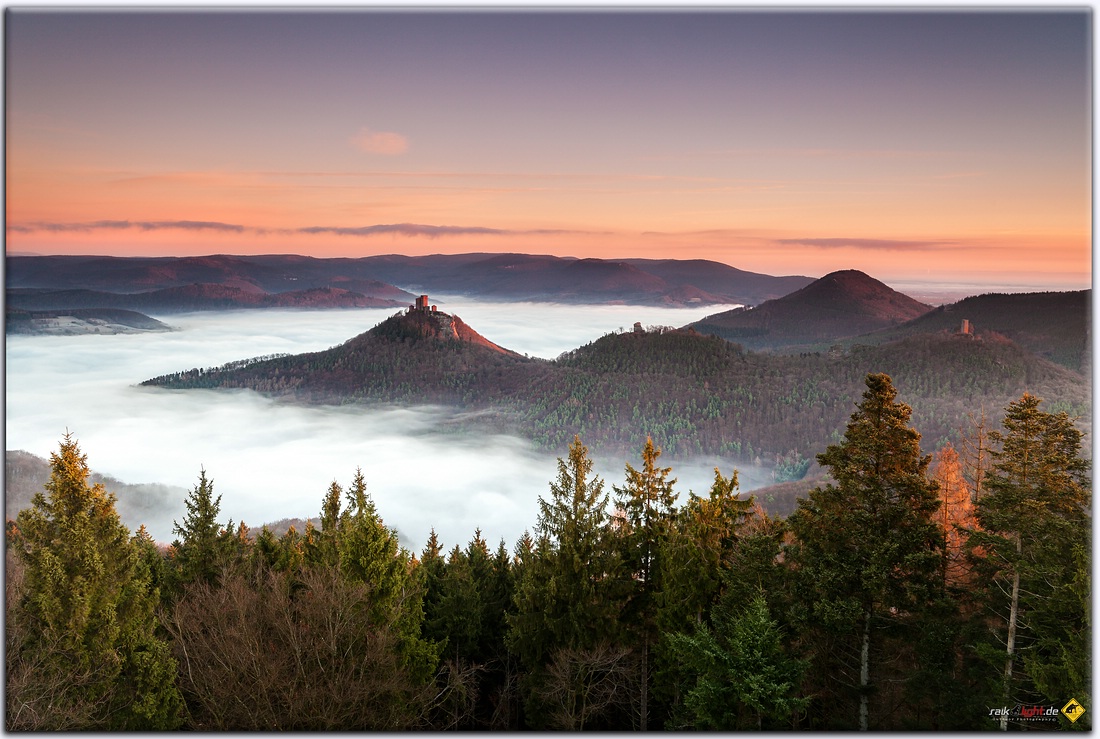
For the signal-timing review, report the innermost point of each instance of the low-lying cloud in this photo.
(271, 460)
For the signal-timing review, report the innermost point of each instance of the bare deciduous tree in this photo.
(583, 684)
(275, 652)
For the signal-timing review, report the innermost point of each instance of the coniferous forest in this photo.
(908, 591)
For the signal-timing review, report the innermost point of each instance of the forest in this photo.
(908, 591)
(693, 394)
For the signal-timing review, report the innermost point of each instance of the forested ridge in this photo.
(907, 591)
(693, 394)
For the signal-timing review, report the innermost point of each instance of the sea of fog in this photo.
(272, 460)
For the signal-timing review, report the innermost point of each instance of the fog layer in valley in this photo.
(271, 460)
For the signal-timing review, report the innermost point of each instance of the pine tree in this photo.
(699, 545)
(1034, 523)
(324, 550)
(868, 552)
(88, 606)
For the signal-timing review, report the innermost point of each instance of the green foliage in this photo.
(87, 610)
(199, 551)
(867, 552)
(1033, 527)
(743, 679)
(369, 553)
(712, 615)
(563, 594)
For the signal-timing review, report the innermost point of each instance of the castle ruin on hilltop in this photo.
(421, 306)
(444, 322)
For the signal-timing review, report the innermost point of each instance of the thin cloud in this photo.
(386, 143)
(126, 225)
(870, 244)
(383, 229)
(417, 229)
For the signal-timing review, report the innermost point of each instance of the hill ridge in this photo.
(842, 303)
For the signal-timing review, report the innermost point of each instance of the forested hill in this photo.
(844, 303)
(411, 357)
(206, 296)
(694, 394)
(1054, 325)
(485, 276)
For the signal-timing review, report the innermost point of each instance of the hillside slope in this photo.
(1054, 325)
(840, 304)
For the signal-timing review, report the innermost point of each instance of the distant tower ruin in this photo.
(964, 329)
(638, 327)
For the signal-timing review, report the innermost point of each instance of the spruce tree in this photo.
(867, 551)
(563, 598)
(1033, 526)
(88, 605)
(693, 560)
(369, 553)
(196, 551)
(646, 505)
(742, 675)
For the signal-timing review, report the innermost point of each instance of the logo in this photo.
(1073, 710)
(1021, 712)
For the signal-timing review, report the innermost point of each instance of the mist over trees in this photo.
(907, 591)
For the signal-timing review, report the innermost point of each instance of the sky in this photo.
(917, 146)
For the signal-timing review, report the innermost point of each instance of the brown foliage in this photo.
(268, 652)
(956, 515)
(582, 685)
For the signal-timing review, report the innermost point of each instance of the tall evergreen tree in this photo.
(88, 605)
(867, 551)
(324, 550)
(693, 560)
(562, 599)
(646, 507)
(196, 551)
(1034, 523)
(369, 553)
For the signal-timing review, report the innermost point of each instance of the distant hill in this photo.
(561, 279)
(198, 297)
(840, 304)
(486, 276)
(694, 394)
(79, 321)
(26, 474)
(1054, 325)
(739, 286)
